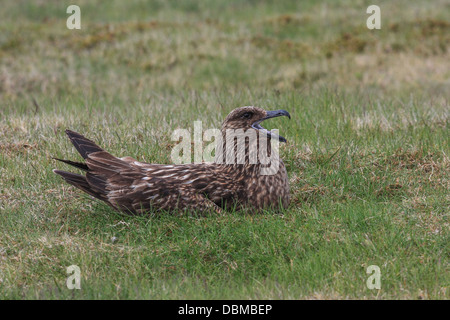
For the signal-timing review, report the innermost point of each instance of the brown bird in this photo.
(241, 175)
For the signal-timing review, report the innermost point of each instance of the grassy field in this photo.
(367, 153)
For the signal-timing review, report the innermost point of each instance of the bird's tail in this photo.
(81, 183)
(90, 183)
(100, 166)
(83, 145)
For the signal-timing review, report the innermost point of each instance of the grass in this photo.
(367, 152)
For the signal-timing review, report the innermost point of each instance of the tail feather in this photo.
(83, 145)
(100, 166)
(80, 182)
(79, 165)
(97, 183)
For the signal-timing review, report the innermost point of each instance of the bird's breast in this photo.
(268, 190)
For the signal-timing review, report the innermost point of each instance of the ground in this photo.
(367, 152)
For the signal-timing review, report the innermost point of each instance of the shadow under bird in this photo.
(137, 187)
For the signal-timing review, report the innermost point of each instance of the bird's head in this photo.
(250, 118)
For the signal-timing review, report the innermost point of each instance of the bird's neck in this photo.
(252, 153)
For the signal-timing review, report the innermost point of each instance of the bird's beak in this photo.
(271, 114)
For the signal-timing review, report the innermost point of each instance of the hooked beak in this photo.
(271, 114)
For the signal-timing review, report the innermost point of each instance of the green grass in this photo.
(367, 152)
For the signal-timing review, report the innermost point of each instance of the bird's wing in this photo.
(208, 180)
(139, 187)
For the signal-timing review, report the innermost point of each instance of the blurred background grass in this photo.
(219, 45)
(367, 150)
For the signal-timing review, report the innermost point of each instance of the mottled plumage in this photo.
(137, 187)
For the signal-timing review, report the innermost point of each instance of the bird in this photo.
(226, 184)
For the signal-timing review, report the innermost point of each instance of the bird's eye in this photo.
(247, 115)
